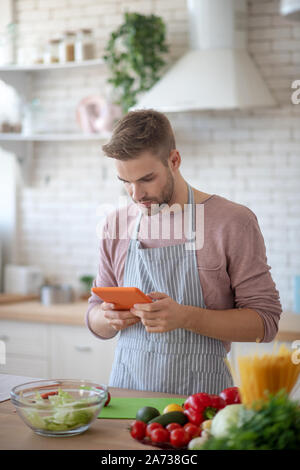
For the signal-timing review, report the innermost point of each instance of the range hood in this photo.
(217, 72)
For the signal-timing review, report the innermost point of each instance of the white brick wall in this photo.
(251, 157)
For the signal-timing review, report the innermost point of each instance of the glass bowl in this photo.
(62, 407)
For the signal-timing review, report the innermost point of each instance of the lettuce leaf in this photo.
(61, 412)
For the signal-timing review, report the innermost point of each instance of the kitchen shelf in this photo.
(16, 137)
(53, 66)
(21, 77)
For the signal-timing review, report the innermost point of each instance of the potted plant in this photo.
(86, 282)
(134, 55)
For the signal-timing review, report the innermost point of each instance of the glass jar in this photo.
(38, 52)
(47, 53)
(84, 46)
(67, 47)
(51, 51)
(54, 46)
(8, 44)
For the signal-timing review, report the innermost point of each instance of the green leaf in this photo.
(134, 55)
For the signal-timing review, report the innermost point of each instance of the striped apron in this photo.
(177, 361)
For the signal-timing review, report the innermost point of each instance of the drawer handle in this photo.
(83, 348)
(4, 338)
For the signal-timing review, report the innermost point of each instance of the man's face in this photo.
(147, 181)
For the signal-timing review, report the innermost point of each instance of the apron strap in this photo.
(191, 214)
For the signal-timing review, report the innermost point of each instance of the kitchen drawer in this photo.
(24, 338)
(76, 353)
(23, 365)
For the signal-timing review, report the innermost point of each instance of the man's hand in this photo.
(160, 316)
(118, 319)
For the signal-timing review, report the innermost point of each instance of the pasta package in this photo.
(262, 374)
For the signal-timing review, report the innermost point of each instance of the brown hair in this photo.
(139, 131)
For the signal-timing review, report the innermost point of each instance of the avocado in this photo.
(147, 413)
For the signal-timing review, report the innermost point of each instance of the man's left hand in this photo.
(160, 316)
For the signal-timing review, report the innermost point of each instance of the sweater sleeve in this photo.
(250, 276)
(105, 276)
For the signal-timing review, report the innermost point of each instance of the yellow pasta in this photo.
(266, 373)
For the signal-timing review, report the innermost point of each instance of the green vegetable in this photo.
(272, 424)
(196, 443)
(171, 417)
(225, 418)
(134, 55)
(146, 414)
(87, 282)
(60, 412)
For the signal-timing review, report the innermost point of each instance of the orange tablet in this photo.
(122, 297)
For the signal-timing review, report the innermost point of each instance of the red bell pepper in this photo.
(202, 406)
(217, 402)
(231, 395)
(194, 417)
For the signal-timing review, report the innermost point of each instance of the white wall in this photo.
(6, 16)
(250, 157)
(10, 180)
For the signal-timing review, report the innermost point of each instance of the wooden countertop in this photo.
(289, 327)
(104, 434)
(34, 311)
(74, 314)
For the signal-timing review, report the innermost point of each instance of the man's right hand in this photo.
(118, 319)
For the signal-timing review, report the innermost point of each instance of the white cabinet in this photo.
(55, 351)
(77, 353)
(26, 347)
(29, 338)
(17, 364)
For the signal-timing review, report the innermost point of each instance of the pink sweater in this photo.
(232, 263)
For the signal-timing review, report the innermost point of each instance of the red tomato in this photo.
(192, 430)
(172, 426)
(231, 395)
(108, 399)
(198, 401)
(194, 417)
(108, 396)
(179, 437)
(152, 426)
(138, 430)
(48, 394)
(159, 435)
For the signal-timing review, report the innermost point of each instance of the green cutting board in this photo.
(126, 408)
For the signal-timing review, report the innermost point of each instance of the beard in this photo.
(159, 202)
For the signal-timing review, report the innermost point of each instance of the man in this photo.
(204, 296)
